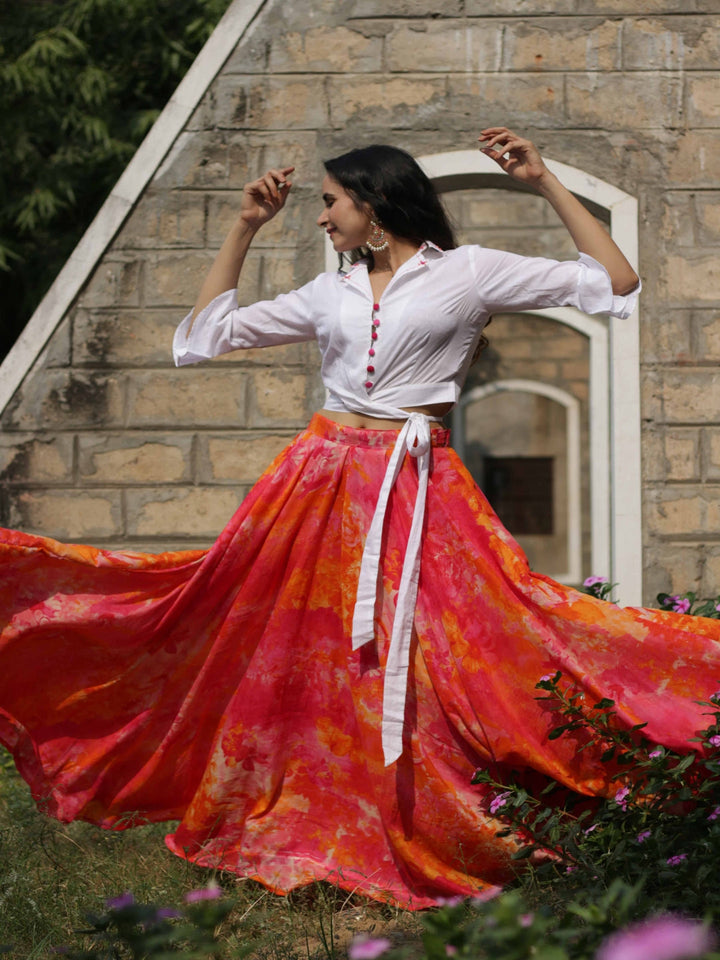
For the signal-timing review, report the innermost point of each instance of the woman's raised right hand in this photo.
(263, 198)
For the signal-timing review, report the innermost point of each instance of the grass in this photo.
(53, 875)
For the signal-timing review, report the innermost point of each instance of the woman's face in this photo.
(347, 226)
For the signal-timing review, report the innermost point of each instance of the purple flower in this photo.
(368, 948)
(526, 919)
(715, 741)
(717, 607)
(594, 581)
(643, 835)
(676, 860)
(593, 826)
(620, 796)
(547, 677)
(680, 604)
(657, 752)
(661, 938)
(499, 802)
(119, 903)
(450, 950)
(212, 892)
(715, 814)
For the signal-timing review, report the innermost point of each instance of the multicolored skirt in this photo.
(219, 688)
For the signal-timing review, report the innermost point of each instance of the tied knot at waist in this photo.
(416, 439)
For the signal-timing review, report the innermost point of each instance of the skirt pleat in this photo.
(219, 688)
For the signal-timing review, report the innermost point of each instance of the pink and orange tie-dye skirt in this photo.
(219, 687)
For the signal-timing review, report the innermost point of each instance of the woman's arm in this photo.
(521, 160)
(261, 200)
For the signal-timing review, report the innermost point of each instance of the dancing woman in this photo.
(311, 696)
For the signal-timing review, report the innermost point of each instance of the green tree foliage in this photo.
(81, 83)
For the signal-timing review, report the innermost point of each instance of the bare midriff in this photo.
(364, 422)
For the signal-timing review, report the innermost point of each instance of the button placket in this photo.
(370, 368)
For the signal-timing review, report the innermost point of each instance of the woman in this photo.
(312, 695)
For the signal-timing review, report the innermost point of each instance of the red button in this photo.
(368, 384)
(376, 306)
(376, 323)
(374, 335)
(371, 352)
(370, 368)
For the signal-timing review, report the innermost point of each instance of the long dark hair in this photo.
(400, 195)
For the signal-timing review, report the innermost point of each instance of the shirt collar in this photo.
(426, 249)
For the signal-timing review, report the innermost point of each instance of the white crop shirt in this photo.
(412, 348)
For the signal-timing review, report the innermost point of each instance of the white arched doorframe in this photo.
(571, 404)
(614, 370)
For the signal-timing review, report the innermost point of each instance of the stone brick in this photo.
(692, 278)
(510, 8)
(703, 101)
(487, 207)
(678, 218)
(203, 396)
(634, 101)
(168, 219)
(279, 399)
(208, 159)
(129, 458)
(691, 396)
(70, 515)
(710, 586)
(223, 209)
(406, 8)
(694, 159)
(249, 56)
(681, 449)
(671, 568)
(630, 7)
(683, 511)
(325, 50)
(286, 355)
(712, 453)
(707, 333)
(238, 458)
(56, 352)
(651, 391)
(533, 100)
(455, 46)
(707, 205)
(666, 337)
(36, 459)
(137, 338)
(672, 43)
(281, 103)
(64, 399)
(174, 279)
(561, 44)
(386, 101)
(114, 283)
(180, 511)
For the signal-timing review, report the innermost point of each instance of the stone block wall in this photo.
(106, 441)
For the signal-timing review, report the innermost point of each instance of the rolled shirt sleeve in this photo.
(507, 281)
(223, 325)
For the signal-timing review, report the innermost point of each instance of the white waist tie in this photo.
(414, 438)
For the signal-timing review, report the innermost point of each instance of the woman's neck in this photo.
(398, 252)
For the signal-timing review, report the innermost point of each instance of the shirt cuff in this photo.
(202, 341)
(595, 291)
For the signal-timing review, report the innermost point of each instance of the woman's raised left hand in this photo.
(519, 158)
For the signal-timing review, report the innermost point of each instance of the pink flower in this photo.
(661, 938)
(594, 581)
(681, 604)
(489, 893)
(526, 919)
(547, 677)
(368, 948)
(715, 741)
(657, 752)
(715, 814)
(643, 835)
(211, 892)
(499, 802)
(450, 950)
(620, 797)
(717, 607)
(676, 860)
